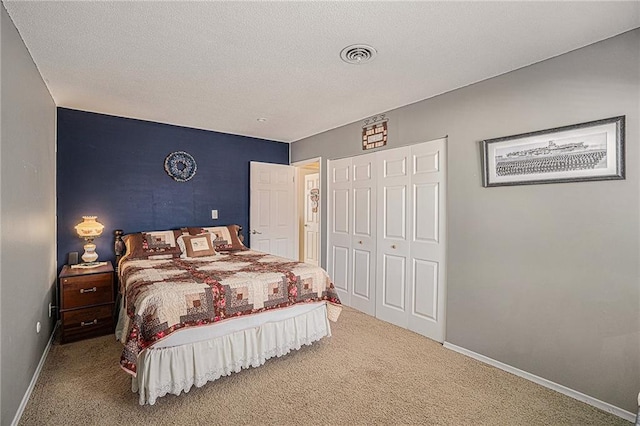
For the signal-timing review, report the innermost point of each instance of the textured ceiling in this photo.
(221, 65)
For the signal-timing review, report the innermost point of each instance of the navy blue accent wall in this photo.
(113, 167)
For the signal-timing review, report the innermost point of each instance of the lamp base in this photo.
(89, 254)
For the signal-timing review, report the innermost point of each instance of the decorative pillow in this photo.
(224, 238)
(197, 245)
(153, 245)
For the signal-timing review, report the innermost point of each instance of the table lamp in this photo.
(89, 229)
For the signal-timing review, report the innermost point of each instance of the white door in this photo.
(387, 235)
(272, 212)
(311, 230)
(428, 250)
(363, 236)
(339, 227)
(394, 229)
(411, 238)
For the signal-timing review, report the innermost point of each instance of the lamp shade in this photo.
(89, 227)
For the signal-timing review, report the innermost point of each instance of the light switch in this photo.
(214, 214)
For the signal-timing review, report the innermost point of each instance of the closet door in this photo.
(363, 238)
(339, 232)
(427, 243)
(394, 230)
(387, 235)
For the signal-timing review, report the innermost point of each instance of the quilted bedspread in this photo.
(162, 296)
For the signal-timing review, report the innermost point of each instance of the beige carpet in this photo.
(368, 372)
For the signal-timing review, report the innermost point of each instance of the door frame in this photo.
(300, 203)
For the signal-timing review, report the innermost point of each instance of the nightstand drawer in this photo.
(82, 323)
(87, 290)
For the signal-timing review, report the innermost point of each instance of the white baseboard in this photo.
(34, 379)
(605, 406)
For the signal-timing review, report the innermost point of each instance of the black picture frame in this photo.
(589, 151)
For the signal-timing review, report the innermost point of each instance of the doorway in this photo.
(309, 211)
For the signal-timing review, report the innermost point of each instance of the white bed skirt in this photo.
(161, 371)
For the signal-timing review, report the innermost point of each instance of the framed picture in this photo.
(581, 152)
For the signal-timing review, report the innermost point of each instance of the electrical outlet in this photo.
(214, 214)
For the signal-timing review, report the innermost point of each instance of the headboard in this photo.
(118, 246)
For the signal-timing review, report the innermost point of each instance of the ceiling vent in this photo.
(358, 54)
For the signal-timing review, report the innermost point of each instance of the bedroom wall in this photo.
(544, 278)
(113, 167)
(27, 217)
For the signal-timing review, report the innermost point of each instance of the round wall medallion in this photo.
(180, 165)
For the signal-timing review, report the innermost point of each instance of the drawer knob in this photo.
(88, 290)
(85, 324)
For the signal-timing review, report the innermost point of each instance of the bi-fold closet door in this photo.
(352, 230)
(387, 235)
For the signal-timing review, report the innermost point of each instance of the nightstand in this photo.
(87, 299)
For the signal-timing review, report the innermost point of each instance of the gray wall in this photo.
(27, 217)
(541, 277)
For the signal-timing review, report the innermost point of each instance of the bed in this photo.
(196, 304)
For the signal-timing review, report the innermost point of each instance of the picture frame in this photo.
(588, 151)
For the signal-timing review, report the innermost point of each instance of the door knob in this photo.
(253, 231)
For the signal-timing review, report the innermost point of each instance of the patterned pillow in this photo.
(153, 245)
(224, 238)
(195, 246)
